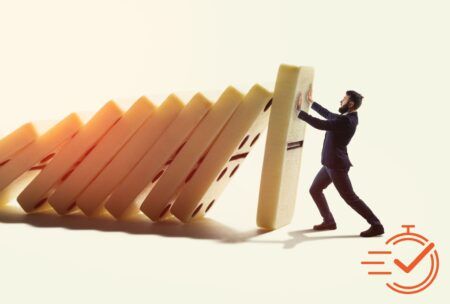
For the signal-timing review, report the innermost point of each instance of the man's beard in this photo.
(343, 109)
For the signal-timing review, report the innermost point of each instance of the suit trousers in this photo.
(341, 180)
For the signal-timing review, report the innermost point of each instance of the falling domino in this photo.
(283, 151)
(225, 156)
(35, 194)
(122, 201)
(93, 196)
(39, 152)
(16, 141)
(63, 200)
(10, 145)
(157, 204)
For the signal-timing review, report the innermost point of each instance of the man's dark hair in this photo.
(355, 97)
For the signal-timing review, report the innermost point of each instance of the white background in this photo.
(63, 56)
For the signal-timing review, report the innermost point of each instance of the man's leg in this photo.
(321, 181)
(343, 185)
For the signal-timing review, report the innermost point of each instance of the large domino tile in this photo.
(39, 152)
(158, 202)
(64, 198)
(207, 181)
(283, 151)
(98, 190)
(35, 195)
(171, 160)
(124, 199)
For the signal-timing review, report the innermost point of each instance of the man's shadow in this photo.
(139, 224)
(300, 236)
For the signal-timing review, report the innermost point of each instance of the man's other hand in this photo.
(299, 99)
(309, 95)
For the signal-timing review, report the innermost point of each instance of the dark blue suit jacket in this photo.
(340, 129)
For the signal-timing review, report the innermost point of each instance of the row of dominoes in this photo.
(178, 157)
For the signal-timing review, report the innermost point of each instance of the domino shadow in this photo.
(139, 225)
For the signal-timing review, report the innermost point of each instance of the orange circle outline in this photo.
(434, 269)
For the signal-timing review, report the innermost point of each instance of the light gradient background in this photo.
(63, 56)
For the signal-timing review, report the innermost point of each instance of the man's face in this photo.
(345, 104)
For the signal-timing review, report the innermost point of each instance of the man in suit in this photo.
(340, 129)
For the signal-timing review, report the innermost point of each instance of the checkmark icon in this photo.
(413, 264)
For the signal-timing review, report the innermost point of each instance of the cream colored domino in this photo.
(35, 194)
(227, 153)
(63, 200)
(5, 197)
(11, 192)
(40, 151)
(283, 151)
(10, 145)
(17, 140)
(122, 201)
(158, 202)
(93, 196)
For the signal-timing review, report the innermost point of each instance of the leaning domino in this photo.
(63, 200)
(229, 150)
(283, 151)
(65, 161)
(92, 198)
(15, 141)
(159, 201)
(123, 201)
(39, 151)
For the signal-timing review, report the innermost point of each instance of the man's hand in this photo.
(308, 99)
(298, 103)
(309, 96)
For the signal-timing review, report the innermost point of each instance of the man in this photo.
(340, 129)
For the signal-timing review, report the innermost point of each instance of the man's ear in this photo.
(351, 104)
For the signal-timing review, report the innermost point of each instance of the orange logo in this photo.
(408, 258)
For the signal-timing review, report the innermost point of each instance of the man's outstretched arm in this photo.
(337, 123)
(325, 113)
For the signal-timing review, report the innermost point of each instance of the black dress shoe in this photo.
(374, 230)
(325, 226)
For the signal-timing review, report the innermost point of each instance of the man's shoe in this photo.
(374, 230)
(325, 226)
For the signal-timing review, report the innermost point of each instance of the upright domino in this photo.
(15, 141)
(123, 200)
(283, 151)
(229, 150)
(36, 193)
(92, 197)
(157, 204)
(63, 200)
(39, 151)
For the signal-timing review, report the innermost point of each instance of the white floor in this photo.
(222, 258)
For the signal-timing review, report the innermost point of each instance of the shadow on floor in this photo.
(300, 236)
(199, 229)
(205, 228)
